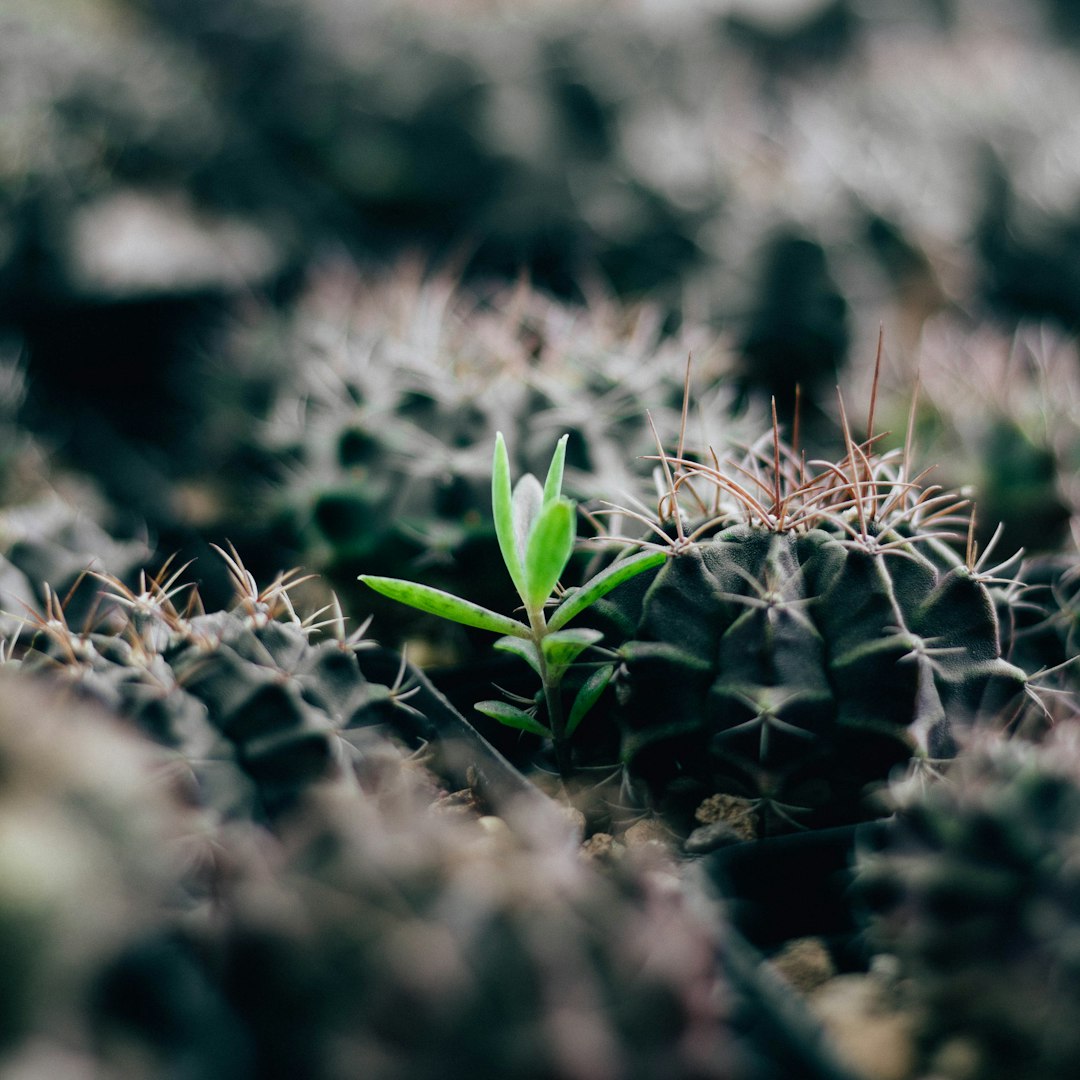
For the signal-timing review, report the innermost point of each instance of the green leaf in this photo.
(527, 503)
(445, 605)
(588, 696)
(553, 483)
(526, 650)
(600, 585)
(565, 646)
(550, 543)
(512, 716)
(502, 509)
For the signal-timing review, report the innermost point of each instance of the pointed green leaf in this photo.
(596, 587)
(588, 696)
(526, 650)
(445, 605)
(565, 646)
(512, 716)
(550, 544)
(553, 483)
(528, 501)
(502, 509)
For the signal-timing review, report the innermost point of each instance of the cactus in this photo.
(810, 635)
(255, 711)
(973, 888)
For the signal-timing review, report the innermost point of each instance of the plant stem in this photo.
(552, 696)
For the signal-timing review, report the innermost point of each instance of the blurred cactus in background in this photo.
(996, 414)
(54, 526)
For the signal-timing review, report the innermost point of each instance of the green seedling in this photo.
(536, 527)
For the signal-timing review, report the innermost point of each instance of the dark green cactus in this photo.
(796, 656)
(257, 711)
(974, 888)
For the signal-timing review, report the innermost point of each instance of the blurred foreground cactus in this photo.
(974, 889)
(811, 631)
(390, 942)
(92, 855)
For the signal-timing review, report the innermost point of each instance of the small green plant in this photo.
(536, 528)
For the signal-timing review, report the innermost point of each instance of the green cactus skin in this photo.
(796, 657)
(973, 887)
(257, 711)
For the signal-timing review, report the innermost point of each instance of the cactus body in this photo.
(256, 710)
(796, 657)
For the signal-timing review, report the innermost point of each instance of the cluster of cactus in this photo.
(973, 888)
(678, 151)
(255, 711)
(811, 631)
(402, 385)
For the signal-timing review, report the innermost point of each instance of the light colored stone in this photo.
(868, 1032)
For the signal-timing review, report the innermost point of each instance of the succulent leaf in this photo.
(588, 696)
(548, 549)
(512, 716)
(444, 604)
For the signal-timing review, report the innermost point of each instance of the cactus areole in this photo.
(796, 657)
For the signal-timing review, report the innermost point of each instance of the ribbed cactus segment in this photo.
(797, 668)
(257, 709)
(974, 888)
